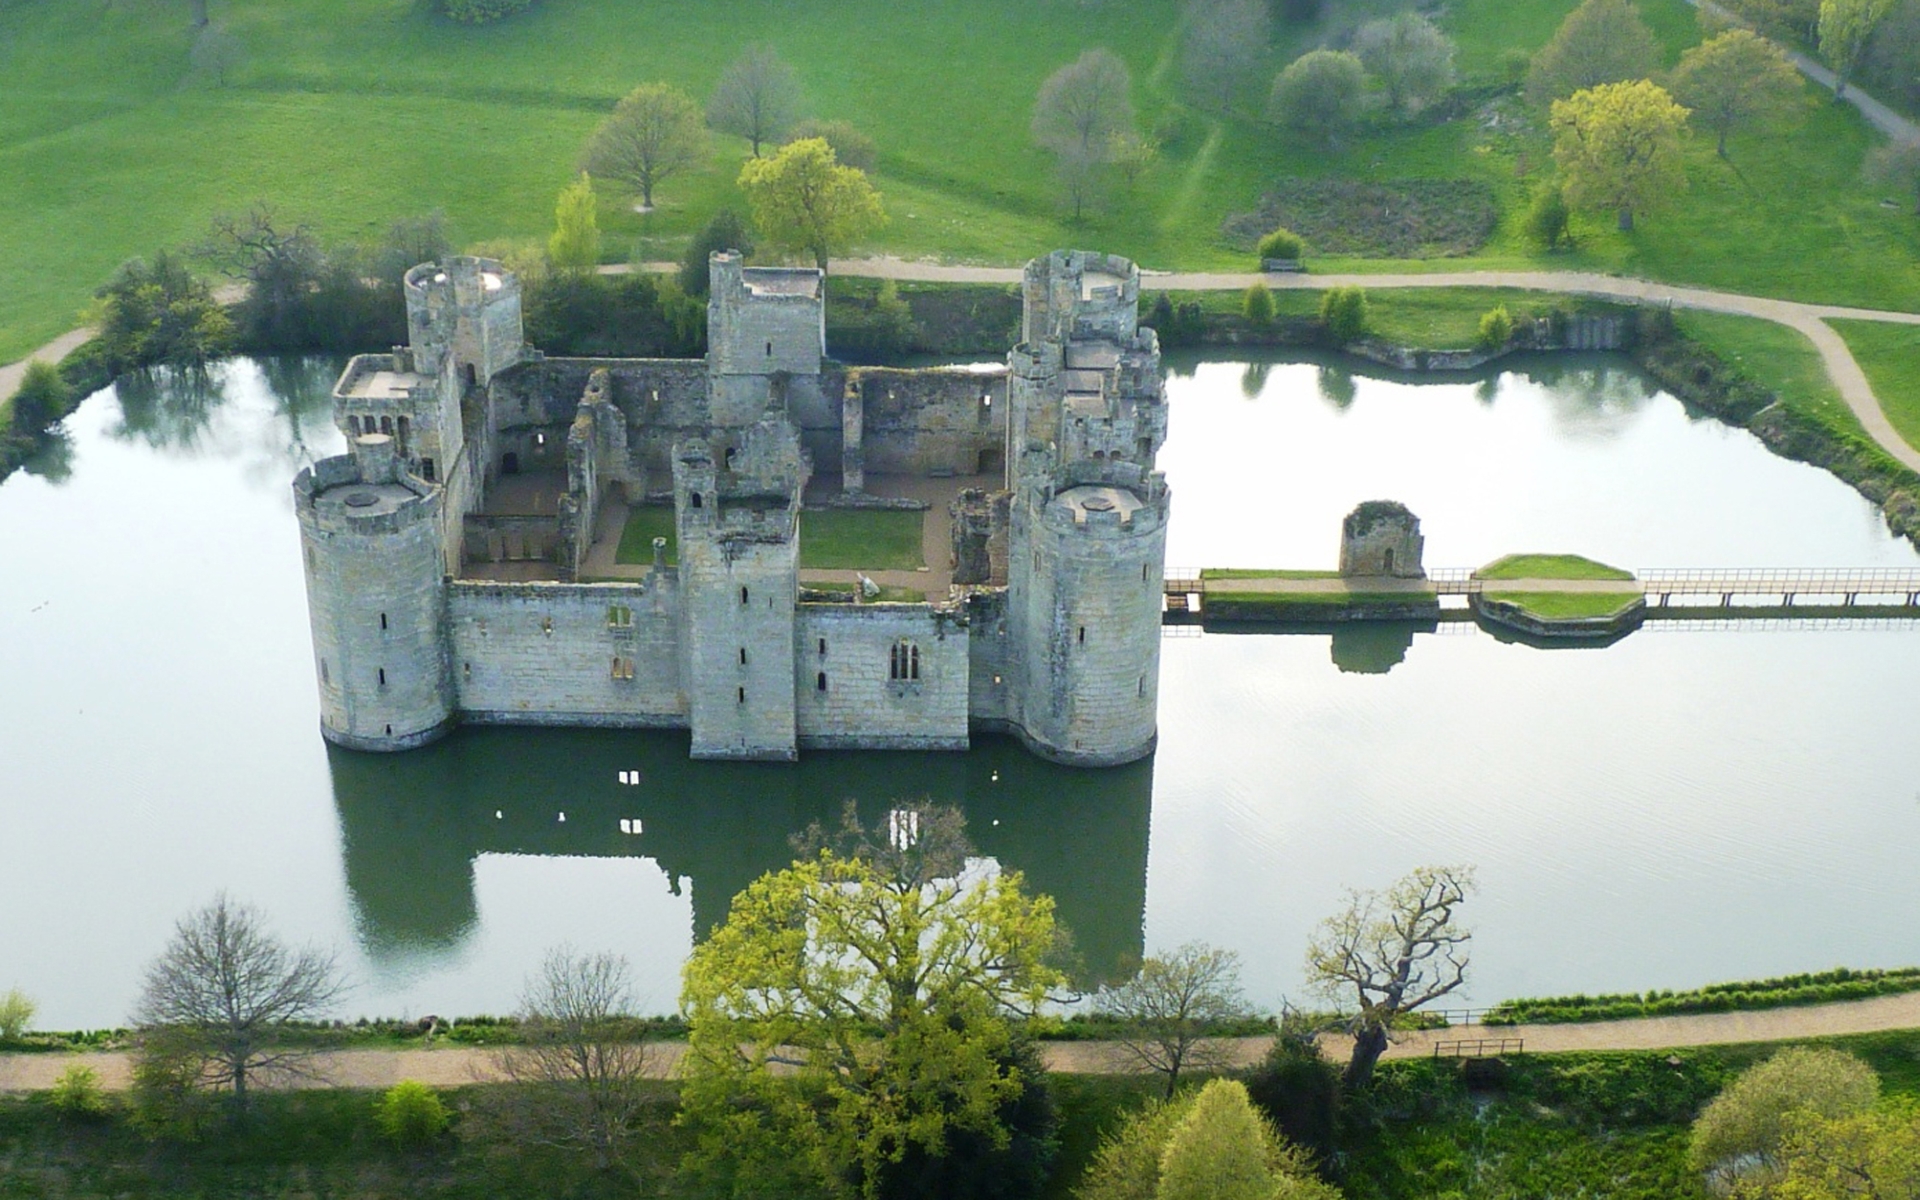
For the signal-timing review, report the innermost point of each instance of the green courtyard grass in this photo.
(349, 114)
(861, 539)
(1550, 566)
(1890, 356)
(1569, 606)
(643, 525)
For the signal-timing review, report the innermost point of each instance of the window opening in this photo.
(903, 662)
(696, 499)
(823, 647)
(741, 694)
(743, 656)
(383, 621)
(743, 595)
(426, 469)
(383, 677)
(1083, 635)
(619, 616)
(386, 426)
(769, 349)
(323, 672)
(820, 682)
(622, 667)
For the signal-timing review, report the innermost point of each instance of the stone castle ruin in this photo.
(462, 559)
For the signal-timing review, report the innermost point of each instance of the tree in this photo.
(1166, 1010)
(1747, 1123)
(852, 1009)
(653, 135)
(282, 265)
(724, 231)
(1411, 58)
(222, 994)
(16, 1007)
(216, 54)
(803, 200)
(1208, 1145)
(1618, 147)
(1602, 41)
(1897, 164)
(1548, 220)
(582, 1062)
(851, 148)
(1390, 953)
(1297, 1088)
(156, 312)
(1321, 93)
(1738, 80)
(1846, 27)
(757, 98)
(1084, 105)
(575, 244)
(43, 398)
(1257, 306)
(1496, 328)
(1224, 44)
(1343, 310)
(1872, 1154)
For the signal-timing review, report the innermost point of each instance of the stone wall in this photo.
(846, 695)
(932, 422)
(567, 654)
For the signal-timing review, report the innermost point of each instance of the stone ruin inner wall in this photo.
(850, 648)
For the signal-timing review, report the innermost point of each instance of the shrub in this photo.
(623, 316)
(481, 12)
(1258, 305)
(1299, 1091)
(1496, 328)
(1751, 1117)
(727, 230)
(851, 148)
(411, 1113)
(16, 1010)
(1282, 244)
(76, 1093)
(1343, 310)
(1320, 94)
(1548, 219)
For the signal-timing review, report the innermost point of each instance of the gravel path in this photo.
(457, 1065)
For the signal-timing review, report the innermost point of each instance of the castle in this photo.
(463, 560)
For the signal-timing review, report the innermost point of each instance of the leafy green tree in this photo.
(1205, 1145)
(1897, 164)
(757, 98)
(1873, 1154)
(853, 1009)
(1296, 1087)
(1602, 41)
(575, 244)
(1618, 147)
(43, 398)
(221, 995)
(76, 1093)
(1256, 306)
(1390, 953)
(1320, 94)
(1410, 57)
(1167, 1010)
(1496, 328)
(1748, 1122)
(725, 230)
(16, 1007)
(1083, 114)
(803, 200)
(156, 312)
(655, 133)
(1738, 80)
(480, 12)
(851, 147)
(1846, 27)
(411, 1113)
(1549, 222)
(1343, 310)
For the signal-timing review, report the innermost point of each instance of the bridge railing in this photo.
(1750, 581)
(1479, 1047)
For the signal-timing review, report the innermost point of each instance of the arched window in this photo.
(903, 662)
(696, 499)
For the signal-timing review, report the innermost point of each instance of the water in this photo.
(1680, 807)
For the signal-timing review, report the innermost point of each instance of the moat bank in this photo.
(159, 722)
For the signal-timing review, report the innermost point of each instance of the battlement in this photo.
(366, 492)
(464, 314)
(1072, 294)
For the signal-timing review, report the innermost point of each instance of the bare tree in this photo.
(1084, 105)
(1410, 56)
(223, 992)
(583, 1062)
(216, 55)
(653, 134)
(1166, 1009)
(1390, 953)
(757, 98)
(1224, 44)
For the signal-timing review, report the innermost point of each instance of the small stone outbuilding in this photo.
(1382, 538)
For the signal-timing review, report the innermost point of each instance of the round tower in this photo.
(1092, 622)
(376, 599)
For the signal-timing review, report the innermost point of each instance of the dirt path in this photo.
(457, 1065)
(12, 373)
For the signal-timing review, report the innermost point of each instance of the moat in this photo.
(1687, 805)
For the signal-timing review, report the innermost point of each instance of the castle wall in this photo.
(847, 696)
(562, 654)
(932, 422)
(991, 663)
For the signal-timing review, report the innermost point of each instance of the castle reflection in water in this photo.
(412, 825)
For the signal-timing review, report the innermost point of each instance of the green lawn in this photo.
(643, 525)
(351, 113)
(1258, 573)
(1569, 606)
(1550, 566)
(1890, 355)
(861, 539)
(1779, 358)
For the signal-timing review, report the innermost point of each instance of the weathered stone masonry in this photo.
(473, 454)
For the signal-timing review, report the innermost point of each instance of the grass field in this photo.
(861, 539)
(351, 113)
(1890, 355)
(1259, 573)
(1569, 606)
(1550, 566)
(1781, 358)
(643, 525)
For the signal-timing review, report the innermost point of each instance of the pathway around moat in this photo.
(458, 1065)
(1809, 319)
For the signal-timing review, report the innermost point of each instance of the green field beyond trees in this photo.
(349, 114)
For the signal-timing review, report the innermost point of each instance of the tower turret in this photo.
(763, 324)
(370, 538)
(463, 313)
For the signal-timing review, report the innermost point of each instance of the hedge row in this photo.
(1812, 988)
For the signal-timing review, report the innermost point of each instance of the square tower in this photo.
(762, 323)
